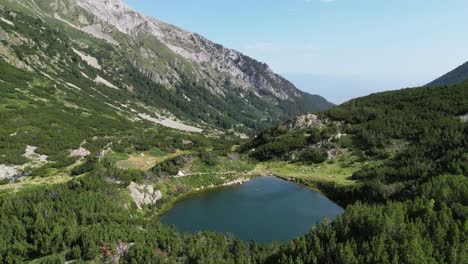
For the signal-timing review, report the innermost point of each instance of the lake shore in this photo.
(268, 202)
(290, 174)
(166, 207)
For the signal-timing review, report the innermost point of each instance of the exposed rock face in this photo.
(93, 62)
(14, 172)
(30, 153)
(7, 172)
(171, 123)
(304, 121)
(144, 194)
(80, 152)
(167, 70)
(213, 63)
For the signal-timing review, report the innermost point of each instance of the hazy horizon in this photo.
(339, 49)
(339, 89)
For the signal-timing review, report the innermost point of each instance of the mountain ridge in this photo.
(455, 76)
(228, 89)
(189, 45)
(130, 22)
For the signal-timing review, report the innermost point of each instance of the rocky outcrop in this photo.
(80, 152)
(304, 121)
(14, 173)
(30, 153)
(143, 194)
(6, 172)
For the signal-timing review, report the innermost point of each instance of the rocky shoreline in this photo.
(239, 181)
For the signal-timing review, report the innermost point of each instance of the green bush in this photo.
(4, 181)
(314, 155)
(171, 167)
(210, 158)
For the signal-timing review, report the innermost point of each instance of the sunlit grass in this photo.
(338, 170)
(145, 160)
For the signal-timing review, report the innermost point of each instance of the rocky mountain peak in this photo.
(213, 61)
(118, 14)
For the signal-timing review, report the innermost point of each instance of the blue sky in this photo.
(339, 49)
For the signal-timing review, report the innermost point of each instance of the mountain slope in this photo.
(458, 75)
(397, 160)
(77, 73)
(405, 137)
(204, 82)
(406, 203)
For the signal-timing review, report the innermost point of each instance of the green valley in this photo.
(423, 201)
(108, 118)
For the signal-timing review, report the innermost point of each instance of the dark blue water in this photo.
(265, 209)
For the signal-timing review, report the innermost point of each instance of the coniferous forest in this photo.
(89, 127)
(411, 208)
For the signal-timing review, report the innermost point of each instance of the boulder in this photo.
(143, 194)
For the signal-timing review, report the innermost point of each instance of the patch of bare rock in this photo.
(7, 172)
(80, 152)
(14, 172)
(304, 121)
(143, 194)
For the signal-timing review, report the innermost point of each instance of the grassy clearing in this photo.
(145, 160)
(116, 157)
(157, 152)
(338, 170)
(200, 175)
(224, 164)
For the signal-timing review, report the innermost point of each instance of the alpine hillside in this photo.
(175, 72)
(458, 75)
(109, 119)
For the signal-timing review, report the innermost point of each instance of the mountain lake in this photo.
(264, 209)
